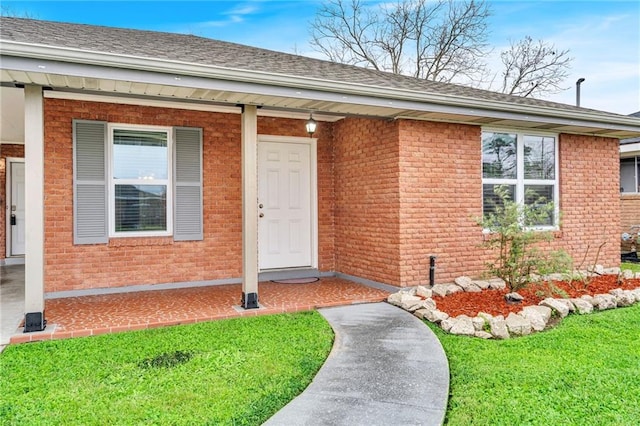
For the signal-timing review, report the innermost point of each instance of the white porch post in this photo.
(249, 207)
(34, 208)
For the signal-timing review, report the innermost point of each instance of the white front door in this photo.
(285, 231)
(16, 209)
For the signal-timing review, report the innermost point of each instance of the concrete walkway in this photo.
(11, 301)
(386, 368)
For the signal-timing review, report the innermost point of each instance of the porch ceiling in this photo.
(288, 101)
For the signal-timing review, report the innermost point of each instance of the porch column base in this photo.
(249, 300)
(34, 321)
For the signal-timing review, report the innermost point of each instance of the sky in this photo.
(603, 36)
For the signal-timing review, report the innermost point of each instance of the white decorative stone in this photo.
(612, 271)
(514, 297)
(637, 275)
(604, 301)
(483, 334)
(420, 313)
(463, 326)
(518, 325)
(538, 316)
(487, 317)
(482, 284)
(410, 303)
(498, 327)
(439, 290)
(422, 291)
(588, 298)
(453, 288)
(623, 297)
(446, 324)
(467, 284)
(636, 293)
(478, 323)
(436, 316)
(555, 277)
(567, 303)
(395, 298)
(628, 274)
(583, 306)
(497, 284)
(556, 305)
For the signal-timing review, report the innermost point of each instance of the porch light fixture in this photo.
(311, 125)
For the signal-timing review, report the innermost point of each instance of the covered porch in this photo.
(127, 311)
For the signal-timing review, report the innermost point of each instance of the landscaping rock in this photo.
(482, 284)
(538, 316)
(637, 275)
(410, 303)
(487, 317)
(497, 284)
(447, 324)
(453, 288)
(439, 290)
(628, 274)
(623, 297)
(436, 316)
(513, 297)
(483, 334)
(478, 323)
(420, 313)
(636, 293)
(555, 277)
(582, 306)
(463, 326)
(567, 303)
(467, 284)
(556, 305)
(518, 325)
(604, 301)
(498, 327)
(612, 271)
(422, 291)
(588, 298)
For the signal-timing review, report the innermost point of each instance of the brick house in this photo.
(629, 187)
(157, 159)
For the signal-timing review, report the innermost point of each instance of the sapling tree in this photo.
(514, 234)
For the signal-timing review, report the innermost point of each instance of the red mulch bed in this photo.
(493, 301)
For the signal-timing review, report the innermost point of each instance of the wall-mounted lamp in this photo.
(311, 125)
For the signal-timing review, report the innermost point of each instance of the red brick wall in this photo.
(367, 199)
(130, 261)
(441, 195)
(629, 211)
(8, 150)
(406, 190)
(590, 197)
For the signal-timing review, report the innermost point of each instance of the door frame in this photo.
(313, 178)
(8, 201)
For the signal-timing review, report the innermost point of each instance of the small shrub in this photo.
(513, 236)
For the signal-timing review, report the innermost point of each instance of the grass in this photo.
(635, 267)
(233, 372)
(583, 372)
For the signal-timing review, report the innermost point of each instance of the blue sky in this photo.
(603, 36)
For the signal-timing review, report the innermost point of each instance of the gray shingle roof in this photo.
(204, 51)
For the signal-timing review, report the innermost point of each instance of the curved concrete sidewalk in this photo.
(386, 368)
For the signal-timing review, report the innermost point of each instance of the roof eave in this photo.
(473, 105)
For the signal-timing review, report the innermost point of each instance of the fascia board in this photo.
(176, 72)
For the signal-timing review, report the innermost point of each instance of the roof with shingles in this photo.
(204, 51)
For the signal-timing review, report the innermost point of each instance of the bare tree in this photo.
(532, 68)
(436, 40)
(440, 40)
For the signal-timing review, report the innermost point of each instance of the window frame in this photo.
(635, 174)
(520, 181)
(168, 182)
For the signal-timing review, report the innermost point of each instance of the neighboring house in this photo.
(157, 158)
(630, 182)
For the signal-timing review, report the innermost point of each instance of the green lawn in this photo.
(586, 371)
(635, 267)
(232, 372)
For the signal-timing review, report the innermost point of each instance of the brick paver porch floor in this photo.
(92, 315)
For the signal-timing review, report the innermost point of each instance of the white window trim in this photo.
(520, 181)
(168, 182)
(635, 174)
